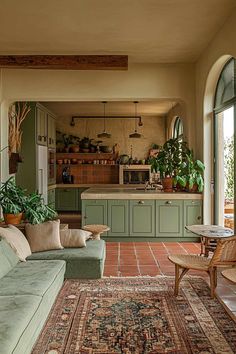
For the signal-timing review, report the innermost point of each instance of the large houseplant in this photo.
(12, 199)
(15, 202)
(169, 161)
(192, 174)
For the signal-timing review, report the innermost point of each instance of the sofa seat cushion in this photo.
(82, 263)
(15, 314)
(31, 277)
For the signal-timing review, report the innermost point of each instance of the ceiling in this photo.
(144, 108)
(163, 31)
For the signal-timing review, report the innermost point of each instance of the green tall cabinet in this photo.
(118, 218)
(142, 218)
(169, 218)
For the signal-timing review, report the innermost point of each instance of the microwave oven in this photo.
(134, 174)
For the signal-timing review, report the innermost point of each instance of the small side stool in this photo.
(96, 230)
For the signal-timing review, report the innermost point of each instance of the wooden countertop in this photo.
(132, 193)
(102, 186)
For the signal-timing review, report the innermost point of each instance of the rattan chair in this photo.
(224, 255)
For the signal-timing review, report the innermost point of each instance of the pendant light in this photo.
(104, 134)
(135, 135)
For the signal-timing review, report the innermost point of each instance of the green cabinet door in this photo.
(94, 212)
(52, 198)
(169, 218)
(51, 131)
(192, 215)
(67, 199)
(80, 191)
(118, 218)
(41, 126)
(142, 218)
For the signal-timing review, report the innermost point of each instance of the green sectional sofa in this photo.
(81, 263)
(29, 289)
(27, 293)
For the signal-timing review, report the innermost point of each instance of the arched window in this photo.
(178, 128)
(224, 146)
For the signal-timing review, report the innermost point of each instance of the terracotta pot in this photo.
(194, 188)
(74, 148)
(167, 184)
(13, 219)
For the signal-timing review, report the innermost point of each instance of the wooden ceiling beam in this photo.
(65, 62)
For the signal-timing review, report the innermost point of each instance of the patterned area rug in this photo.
(137, 316)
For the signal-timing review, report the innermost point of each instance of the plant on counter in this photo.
(170, 161)
(15, 202)
(192, 174)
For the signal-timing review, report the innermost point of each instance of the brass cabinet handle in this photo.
(168, 202)
(39, 137)
(45, 138)
(199, 218)
(141, 202)
(50, 140)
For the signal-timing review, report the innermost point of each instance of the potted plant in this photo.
(15, 202)
(169, 162)
(36, 212)
(12, 199)
(85, 144)
(194, 171)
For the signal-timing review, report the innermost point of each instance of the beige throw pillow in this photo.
(74, 238)
(16, 239)
(44, 237)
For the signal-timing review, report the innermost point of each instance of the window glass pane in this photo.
(225, 87)
(178, 128)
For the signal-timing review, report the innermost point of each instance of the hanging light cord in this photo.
(136, 120)
(104, 116)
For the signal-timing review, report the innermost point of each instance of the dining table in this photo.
(209, 235)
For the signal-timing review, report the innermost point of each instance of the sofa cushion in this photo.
(71, 238)
(15, 314)
(8, 258)
(17, 240)
(82, 263)
(45, 236)
(31, 277)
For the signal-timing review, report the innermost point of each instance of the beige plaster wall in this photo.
(140, 82)
(153, 131)
(208, 68)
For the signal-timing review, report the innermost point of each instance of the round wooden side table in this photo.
(96, 230)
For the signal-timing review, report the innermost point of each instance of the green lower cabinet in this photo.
(67, 199)
(118, 218)
(52, 198)
(142, 218)
(94, 212)
(169, 218)
(192, 214)
(80, 191)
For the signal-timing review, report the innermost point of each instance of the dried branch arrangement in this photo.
(17, 113)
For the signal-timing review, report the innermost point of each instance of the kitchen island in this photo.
(136, 214)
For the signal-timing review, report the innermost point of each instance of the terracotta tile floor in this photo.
(149, 258)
